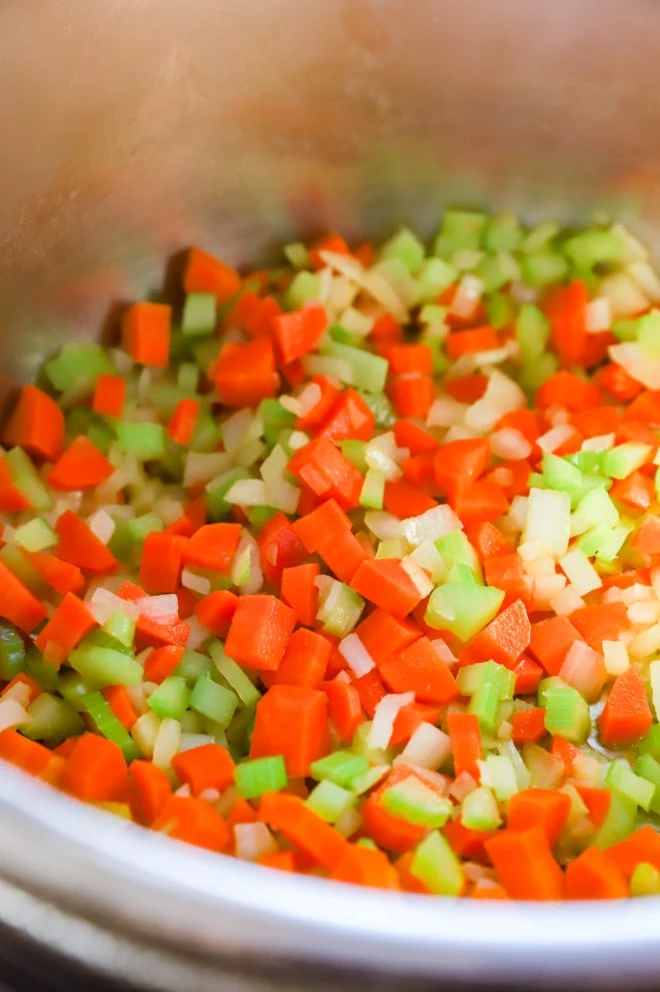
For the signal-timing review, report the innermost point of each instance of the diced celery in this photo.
(12, 651)
(539, 236)
(26, 479)
(649, 769)
(38, 669)
(493, 273)
(76, 363)
(392, 549)
(36, 535)
(497, 683)
(340, 767)
(620, 461)
(603, 542)
(415, 802)
(621, 777)
(188, 377)
(108, 725)
(214, 494)
(650, 744)
(462, 610)
(501, 310)
(255, 778)
(51, 719)
(368, 371)
(12, 556)
(559, 474)
(434, 277)
(461, 229)
(342, 336)
(503, 232)
(532, 332)
(479, 810)
(406, 247)
(354, 451)
(207, 433)
(171, 698)
(193, 665)
(499, 774)
(341, 610)
(164, 396)
(365, 781)
(533, 374)
(591, 248)
(144, 440)
(139, 527)
(121, 627)
(105, 666)
(567, 713)
(234, 675)
(330, 800)
(82, 420)
(304, 287)
(619, 823)
(361, 747)
(456, 549)
(437, 867)
(648, 333)
(74, 688)
(199, 314)
(381, 408)
(645, 880)
(625, 330)
(214, 701)
(543, 268)
(595, 509)
(427, 555)
(373, 489)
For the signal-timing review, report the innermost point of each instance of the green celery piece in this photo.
(368, 371)
(234, 675)
(462, 610)
(471, 678)
(456, 549)
(501, 310)
(434, 277)
(354, 451)
(543, 268)
(479, 810)
(433, 315)
(435, 864)
(619, 823)
(109, 726)
(342, 336)
(121, 627)
(199, 314)
(171, 698)
(217, 506)
(372, 493)
(255, 778)
(561, 475)
(625, 330)
(329, 801)
(367, 780)
(297, 255)
(503, 232)
(239, 732)
(76, 363)
(102, 639)
(381, 408)
(26, 479)
(43, 673)
(139, 527)
(105, 666)
(539, 237)
(567, 714)
(620, 777)
(591, 248)
(648, 333)
(603, 542)
(493, 273)
(427, 555)
(188, 378)
(74, 689)
(536, 481)
(181, 346)
(545, 685)
(645, 880)
(375, 756)
(304, 287)
(205, 351)
(144, 440)
(121, 543)
(12, 651)
(51, 719)
(367, 842)
(257, 517)
(193, 665)
(164, 396)
(625, 458)
(649, 768)
(650, 744)
(532, 332)
(36, 535)
(416, 803)
(12, 556)
(82, 420)
(534, 374)
(461, 229)
(396, 548)
(407, 248)
(586, 461)
(341, 610)
(595, 509)
(340, 767)
(214, 701)
(496, 684)
(207, 433)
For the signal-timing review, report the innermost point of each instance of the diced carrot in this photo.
(303, 827)
(80, 546)
(11, 498)
(331, 242)
(528, 675)
(597, 801)
(646, 540)
(121, 705)
(506, 637)
(33, 688)
(321, 466)
(409, 718)
(345, 707)
(642, 846)
(550, 641)
(343, 555)
(109, 395)
(81, 466)
(29, 755)
(592, 875)
(565, 751)
(645, 408)
(36, 424)
(403, 499)
(299, 591)
(244, 374)
(544, 808)
(565, 307)
(383, 634)
(292, 720)
(467, 388)
(17, 603)
(603, 622)
(507, 572)
(146, 333)
(528, 725)
(412, 396)
(161, 561)
(613, 379)
(298, 332)
(152, 632)
(636, 491)
(569, 391)
(216, 611)
(193, 821)
(627, 715)
(205, 274)
(95, 770)
(181, 425)
(525, 865)
(279, 547)
(321, 410)
(65, 630)
(458, 464)
(371, 690)
(162, 662)
(259, 632)
(463, 729)
(464, 841)
(213, 547)
(305, 661)
(281, 860)
(419, 668)
(418, 440)
(206, 767)
(365, 866)
(349, 417)
(241, 812)
(386, 583)
(148, 790)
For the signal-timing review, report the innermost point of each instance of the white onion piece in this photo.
(580, 572)
(356, 655)
(384, 526)
(204, 466)
(160, 609)
(510, 443)
(235, 429)
(555, 437)
(274, 466)
(548, 521)
(430, 525)
(624, 293)
(247, 492)
(418, 576)
(445, 411)
(647, 279)
(196, 583)
(102, 526)
(12, 714)
(252, 840)
(601, 443)
(467, 296)
(428, 747)
(642, 367)
(102, 603)
(567, 602)
(309, 397)
(291, 404)
(502, 396)
(167, 743)
(385, 714)
(598, 315)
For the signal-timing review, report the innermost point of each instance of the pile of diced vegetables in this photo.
(351, 568)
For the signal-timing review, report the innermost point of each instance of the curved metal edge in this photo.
(132, 882)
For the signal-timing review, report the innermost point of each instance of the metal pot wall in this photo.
(132, 129)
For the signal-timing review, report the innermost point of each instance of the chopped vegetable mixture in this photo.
(351, 568)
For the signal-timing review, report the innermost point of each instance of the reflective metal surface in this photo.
(133, 128)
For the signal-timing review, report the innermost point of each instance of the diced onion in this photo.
(167, 742)
(385, 714)
(502, 395)
(12, 714)
(247, 492)
(580, 572)
(103, 603)
(251, 840)
(548, 587)
(642, 367)
(430, 525)
(235, 429)
(644, 613)
(467, 296)
(555, 437)
(446, 411)
(510, 443)
(624, 294)
(291, 404)
(356, 655)
(647, 279)
(160, 609)
(384, 526)
(204, 466)
(567, 602)
(601, 443)
(428, 747)
(598, 315)
(615, 656)
(102, 526)
(196, 583)
(419, 577)
(309, 397)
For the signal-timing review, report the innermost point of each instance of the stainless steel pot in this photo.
(133, 128)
